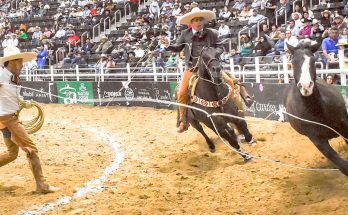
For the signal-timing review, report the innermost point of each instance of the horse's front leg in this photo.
(325, 148)
(199, 128)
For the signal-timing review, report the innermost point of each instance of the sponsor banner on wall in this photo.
(132, 94)
(269, 100)
(42, 92)
(75, 92)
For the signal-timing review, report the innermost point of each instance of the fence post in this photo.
(51, 69)
(101, 73)
(77, 73)
(341, 66)
(257, 69)
(27, 74)
(232, 66)
(154, 71)
(285, 69)
(129, 72)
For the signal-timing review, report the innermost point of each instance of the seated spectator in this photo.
(13, 41)
(256, 5)
(235, 56)
(326, 20)
(253, 21)
(310, 13)
(23, 36)
(329, 79)
(329, 48)
(295, 30)
(79, 60)
(279, 45)
(239, 4)
(291, 40)
(69, 30)
(102, 61)
(172, 60)
(339, 23)
(225, 14)
(138, 51)
(87, 47)
(73, 41)
(262, 47)
(283, 9)
(274, 34)
(47, 33)
(60, 34)
(126, 37)
(154, 10)
(110, 63)
(296, 17)
(37, 36)
(104, 45)
(246, 46)
(317, 31)
(245, 13)
(224, 30)
(306, 30)
(6, 42)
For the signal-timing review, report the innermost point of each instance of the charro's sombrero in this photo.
(13, 53)
(342, 42)
(207, 15)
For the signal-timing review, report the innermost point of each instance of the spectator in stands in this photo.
(139, 51)
(246, 46)
(86, 12)
(6, 42)
(73, 41)
(224, 30)
(37, 36)
(154, 10)
(262, 47)
(274, 34)
(13, 41)
(104, 46)
(79, 60)
(295, 30)
(176, 10)
(60, 34)
(110, 63)
(126, 37)
(235, 56)
(279, 45)
(296, 17)
(343, 34)
(102, 61)
(253, 21)
(42, 55)
(256, 4)
(317, 31)
(326, 20)
(329, 47)
(225, 14)
(310, 13)
(47, 34)
(238, 5)
(23, 37)
(306, 30)
(270, 7)
(69, 30)
(245, 13)
(283, 9)
(172, 60)
(291, 40)
(264, 30)
(339, 23)
(87, 47)
(329, 79)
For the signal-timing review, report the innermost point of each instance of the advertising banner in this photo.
(75, 92)
(42, 92)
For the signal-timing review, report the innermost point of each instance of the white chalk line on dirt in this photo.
(93, 186)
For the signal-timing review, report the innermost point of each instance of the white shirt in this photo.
(139, 53)
(224, 30)
(8, 93)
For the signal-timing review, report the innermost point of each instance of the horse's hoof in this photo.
(252, 142)
(247, 158)
(212, 150)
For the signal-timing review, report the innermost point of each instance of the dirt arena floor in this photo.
(166, 173)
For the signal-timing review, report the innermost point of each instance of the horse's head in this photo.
(209, 65)
(303, 63)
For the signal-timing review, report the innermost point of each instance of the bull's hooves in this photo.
(212, 150)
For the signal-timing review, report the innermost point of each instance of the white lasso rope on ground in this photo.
(210, 116)
(93, 186)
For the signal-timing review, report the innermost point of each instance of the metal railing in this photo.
(127, 16)
(118, 23)
(83, 36)
(95, 32)
(60, 52)
(285, 15)
(107, 20)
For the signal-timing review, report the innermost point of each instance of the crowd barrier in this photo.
(268, 97)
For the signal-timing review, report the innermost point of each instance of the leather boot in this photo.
(248, 100)
(182, 125)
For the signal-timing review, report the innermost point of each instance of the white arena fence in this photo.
(256, 73)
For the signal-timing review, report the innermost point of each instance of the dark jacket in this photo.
(208, 38)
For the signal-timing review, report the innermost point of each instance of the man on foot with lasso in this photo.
(15, 135)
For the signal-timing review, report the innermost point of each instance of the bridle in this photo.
(206, 66)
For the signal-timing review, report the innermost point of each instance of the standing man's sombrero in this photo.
(207, 15)
(13, 53)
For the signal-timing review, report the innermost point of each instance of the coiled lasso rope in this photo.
(33, 125)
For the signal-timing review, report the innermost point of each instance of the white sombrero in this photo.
(196, 12)
(342, 42)
(13, 53)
